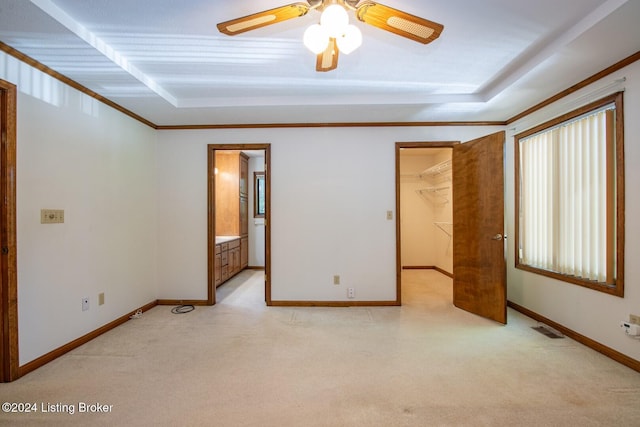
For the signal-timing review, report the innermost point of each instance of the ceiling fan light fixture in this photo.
(334, 35)
(316, 38)
(350, 40)
(335, 19)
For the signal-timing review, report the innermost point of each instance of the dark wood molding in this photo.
(66, 80)
(54, 354)
(334, 303)
(253, 267)
(326, 125)
(418, 267)
(441, 271)
(195, 302)
(584, 83)
(9, 355)
(399, 146)
(600, 348)
(211, 225)
(426, 144)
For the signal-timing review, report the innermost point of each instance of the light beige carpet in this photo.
(243, 364)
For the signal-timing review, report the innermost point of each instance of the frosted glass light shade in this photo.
(350, 40)
(335, 19)
(316, 39)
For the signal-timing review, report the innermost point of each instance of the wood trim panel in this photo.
(334, 303)
(211, 226)
(399, 146)
(600, 348)
(327, 125)
(418, 267)
(441, 271)
(584, 83)
(9, 356)
(54, 354)
(267, 225)
(66, 80)
(194, 302)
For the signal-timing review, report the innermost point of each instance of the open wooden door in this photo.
(479, 268)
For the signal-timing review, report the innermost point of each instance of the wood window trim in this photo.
(617, 288)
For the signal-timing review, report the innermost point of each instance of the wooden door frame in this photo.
(9, 360)
(211, 217)
(399, 146)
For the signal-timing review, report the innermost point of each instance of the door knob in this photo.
(497, 237)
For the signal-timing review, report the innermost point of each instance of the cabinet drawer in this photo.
(224, 247)
(234, 244)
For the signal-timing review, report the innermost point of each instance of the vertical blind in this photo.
(564, 184)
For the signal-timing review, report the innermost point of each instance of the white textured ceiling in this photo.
(165, 60)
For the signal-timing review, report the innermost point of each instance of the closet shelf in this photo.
(435, 194)
(437, 170)
(446, 227)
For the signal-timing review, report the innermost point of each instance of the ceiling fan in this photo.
(333, 34)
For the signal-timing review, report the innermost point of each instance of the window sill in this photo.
(615, 290)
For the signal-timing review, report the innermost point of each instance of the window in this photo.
(259, 205)
(570, 197)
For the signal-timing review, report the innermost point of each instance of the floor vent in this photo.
(547, 331)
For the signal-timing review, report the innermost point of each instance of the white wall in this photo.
(79, 155)
(590, 313)
(330, 190)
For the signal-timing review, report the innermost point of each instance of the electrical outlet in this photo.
(351, 293)
(634, 318)
(336, 280)
(101, 298)
(85, 304)
(51, 216)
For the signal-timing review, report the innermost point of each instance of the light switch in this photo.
(389, 215)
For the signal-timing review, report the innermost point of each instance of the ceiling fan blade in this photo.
(398, 22)
(262, 19)
(328, 60)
